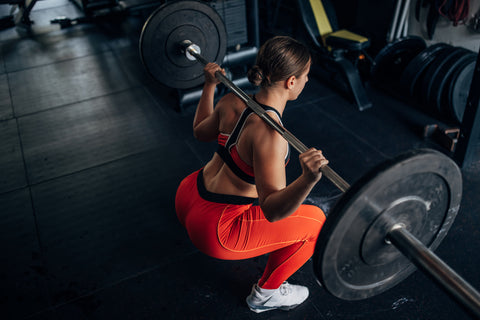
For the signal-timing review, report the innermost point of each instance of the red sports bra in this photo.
(227, 147)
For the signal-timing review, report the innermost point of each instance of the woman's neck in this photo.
(272, 98)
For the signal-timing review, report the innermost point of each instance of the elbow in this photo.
(203, 136)
(271, 217)
(199, 136)
(196, 135)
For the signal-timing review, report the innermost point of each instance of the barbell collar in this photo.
(429, 262)
(193, 50)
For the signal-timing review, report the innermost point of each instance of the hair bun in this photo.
(255, 75)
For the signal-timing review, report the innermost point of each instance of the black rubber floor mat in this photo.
(53, 47)
(87, 134)
(65, 82)
(12, 172)
(5, 102)
(105, 224)
(22, 273)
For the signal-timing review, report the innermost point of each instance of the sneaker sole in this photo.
(263, 309)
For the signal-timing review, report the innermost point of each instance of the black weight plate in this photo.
(440, 82)
(421, 189)
(417, 66)
(169, 25)
(448, 90)
(460, 88)
(431, 73)
(391, 61)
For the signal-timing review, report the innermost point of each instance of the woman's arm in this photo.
(277, 200)
(206, 120)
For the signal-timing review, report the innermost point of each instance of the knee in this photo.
(316, 218)
(314, 212)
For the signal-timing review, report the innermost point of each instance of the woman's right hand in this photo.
(312, 161)
(210, 69)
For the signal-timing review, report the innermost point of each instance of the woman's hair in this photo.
(278, 59)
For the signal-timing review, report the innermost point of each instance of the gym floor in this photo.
(92, 151)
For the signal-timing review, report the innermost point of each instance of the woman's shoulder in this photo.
(229, 104)
(231, 98)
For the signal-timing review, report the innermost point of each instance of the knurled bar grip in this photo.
(331, 175)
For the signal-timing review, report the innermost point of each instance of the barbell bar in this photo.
(393, 216)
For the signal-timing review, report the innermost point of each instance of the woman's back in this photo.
(218, 176)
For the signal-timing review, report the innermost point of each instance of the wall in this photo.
(460, 35)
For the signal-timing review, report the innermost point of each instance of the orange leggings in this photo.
(232, 228)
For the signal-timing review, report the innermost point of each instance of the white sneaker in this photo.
(286, 297)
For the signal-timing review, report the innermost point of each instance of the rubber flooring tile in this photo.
(198, 287)
(79, 136)
(316, 129)
(137, 74)
(106, 224)
(2, 65)
(65, 82)
(202, 288)
(12, 171)
(60, 45)
(22, 273)
(460, 246)
(392, 126)
(5, 102)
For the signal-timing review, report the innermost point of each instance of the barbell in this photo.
(395, 215)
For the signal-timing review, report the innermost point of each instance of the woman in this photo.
(215, 204)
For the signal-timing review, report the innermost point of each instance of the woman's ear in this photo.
(291, 82)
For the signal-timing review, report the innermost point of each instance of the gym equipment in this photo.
(418, 192)
(390, 62)
(437, 78)
(233, 52)
(415, 68)
(459, 88)
(405, 206)
(168, 26)
(433, 71)
(399, 27)
(22, 18)
(467, 152)
(443, 78)
(339, 50)
(455, 11)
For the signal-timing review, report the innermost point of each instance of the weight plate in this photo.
(460, 88)
(439, 84)
(169, 25)
(421, 189)
(431, 73)
(391, 61)
(417, 66)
